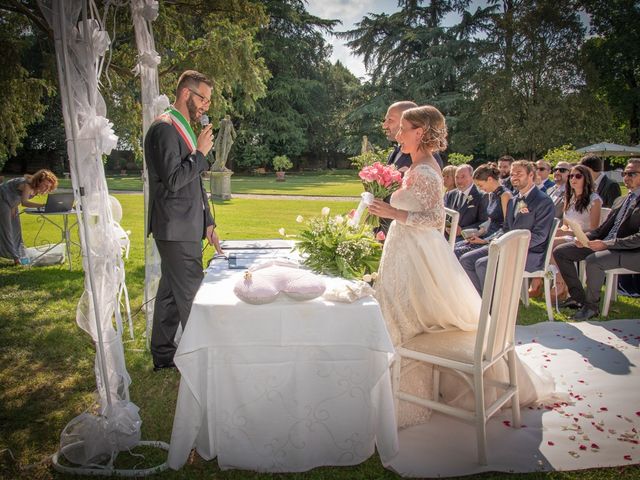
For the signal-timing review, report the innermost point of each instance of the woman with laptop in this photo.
(14, 192)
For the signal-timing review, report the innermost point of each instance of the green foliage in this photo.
(281, 163)
(330, 245)
(22, 89)
(564, 153)
(369, 158)
(459, 158)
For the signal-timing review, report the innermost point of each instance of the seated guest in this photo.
(581, 205)
(487, 178)
(615, 243)
(605, 187)
(504, 165)
(560, 176)
(467, 200)
(544, 170)
(530, 210)
(448, 178)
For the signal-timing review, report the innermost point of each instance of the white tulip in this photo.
(339, 219)
(281, 231)
(325, 211)
(299, 219)
(366, 277)
(374, 275)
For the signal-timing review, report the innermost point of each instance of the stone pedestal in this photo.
(220, 185)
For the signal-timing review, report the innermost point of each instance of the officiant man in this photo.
(615, 243)
(530, 210)
(179, 215)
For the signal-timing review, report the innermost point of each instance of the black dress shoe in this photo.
(586, 313)
(570, 303)
(162, 366)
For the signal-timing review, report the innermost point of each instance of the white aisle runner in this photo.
(596, 363)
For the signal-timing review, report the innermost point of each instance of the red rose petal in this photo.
(506, 423)
(627, 457)
(604, 409)
(550, 443)
(583, 447)
(594, 445)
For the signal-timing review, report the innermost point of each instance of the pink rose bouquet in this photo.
(381, 180)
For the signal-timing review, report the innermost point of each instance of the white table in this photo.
(65, 228)
(282, 387)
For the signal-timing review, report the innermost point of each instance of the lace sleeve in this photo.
(426, 186)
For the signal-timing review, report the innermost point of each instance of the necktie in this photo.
(620, 216)
(516, 209)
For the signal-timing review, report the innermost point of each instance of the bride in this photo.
(421, 286)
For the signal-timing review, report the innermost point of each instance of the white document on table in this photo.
(577, 231)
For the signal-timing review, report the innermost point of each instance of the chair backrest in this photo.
(604, 213)
(454, 217)
(552, 236)
(501, 294)
(116, 208)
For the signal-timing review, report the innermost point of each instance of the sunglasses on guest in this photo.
(577, 176)
(561, 170)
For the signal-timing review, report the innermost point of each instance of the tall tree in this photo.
(410, 55)
(296, 103)
(529, 83)
(614, 54)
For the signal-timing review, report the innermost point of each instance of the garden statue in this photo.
(220, 176)
(222, 146)
(366, 146)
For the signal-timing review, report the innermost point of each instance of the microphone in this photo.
(204, 120)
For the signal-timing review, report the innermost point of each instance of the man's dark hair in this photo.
(192, 79)
(592, 161)
(506, 158)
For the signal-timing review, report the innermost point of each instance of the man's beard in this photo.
(193, 110)
(504, 176)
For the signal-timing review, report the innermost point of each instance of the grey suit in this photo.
(473, 210)
(178, 218)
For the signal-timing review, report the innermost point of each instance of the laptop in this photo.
(58, 202)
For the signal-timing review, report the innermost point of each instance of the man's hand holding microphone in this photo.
(205, 139)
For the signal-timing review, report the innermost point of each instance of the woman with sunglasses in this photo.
(581, 205)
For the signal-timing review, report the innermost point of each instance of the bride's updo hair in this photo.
(432, 121)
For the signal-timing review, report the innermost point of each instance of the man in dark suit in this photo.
(544, 170)
(615, 243)
(504, 165)
(179, 216)
(467, 200)
(402, 161)
(529, 210)
(605, 187)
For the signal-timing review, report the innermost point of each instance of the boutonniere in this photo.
(521, 207)
(468, 199)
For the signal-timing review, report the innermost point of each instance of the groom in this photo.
(530, 210)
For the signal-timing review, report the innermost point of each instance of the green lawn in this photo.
(338, 183)
(47, 375)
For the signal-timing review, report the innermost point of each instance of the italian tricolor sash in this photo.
(183, 127)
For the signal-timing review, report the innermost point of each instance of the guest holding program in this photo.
(179, 216)
(14, 192)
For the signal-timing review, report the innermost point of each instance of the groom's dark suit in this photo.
(178, 218)
(538, 220)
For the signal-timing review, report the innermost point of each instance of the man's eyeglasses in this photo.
(577, 176)
(630, 174)
(561, 170)
(204, 99)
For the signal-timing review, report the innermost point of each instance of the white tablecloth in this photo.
(282, 387)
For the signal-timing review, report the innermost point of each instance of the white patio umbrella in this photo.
(611, 149)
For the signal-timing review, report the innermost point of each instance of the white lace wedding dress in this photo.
(423, 288)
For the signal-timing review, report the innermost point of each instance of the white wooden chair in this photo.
(493, 341)
(454, 217)
(611, 286)
(123, 239)
(548, 272)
